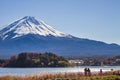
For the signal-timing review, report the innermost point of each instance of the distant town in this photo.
(96, 61)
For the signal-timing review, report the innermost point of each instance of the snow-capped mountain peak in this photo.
(29, 25)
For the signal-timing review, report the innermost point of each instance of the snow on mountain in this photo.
(30, 25)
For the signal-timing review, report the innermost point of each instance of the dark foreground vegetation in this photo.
(67, 76)
(35, 60)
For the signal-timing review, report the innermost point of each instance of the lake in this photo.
(33, 71)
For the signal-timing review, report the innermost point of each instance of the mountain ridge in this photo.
(31, 35)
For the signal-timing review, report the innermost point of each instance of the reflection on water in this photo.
(30, 71)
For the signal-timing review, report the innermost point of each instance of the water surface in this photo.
(33, 71)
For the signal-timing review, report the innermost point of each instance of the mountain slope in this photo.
(29, 34)
(29, 25)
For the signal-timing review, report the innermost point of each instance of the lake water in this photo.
(33, 71)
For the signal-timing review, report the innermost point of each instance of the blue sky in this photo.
(93, 19)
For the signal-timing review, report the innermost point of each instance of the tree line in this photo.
(27, 59)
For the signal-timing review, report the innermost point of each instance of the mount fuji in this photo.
(31, 35)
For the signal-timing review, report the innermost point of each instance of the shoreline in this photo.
(112, 75)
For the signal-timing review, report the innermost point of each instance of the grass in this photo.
(66, 76)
